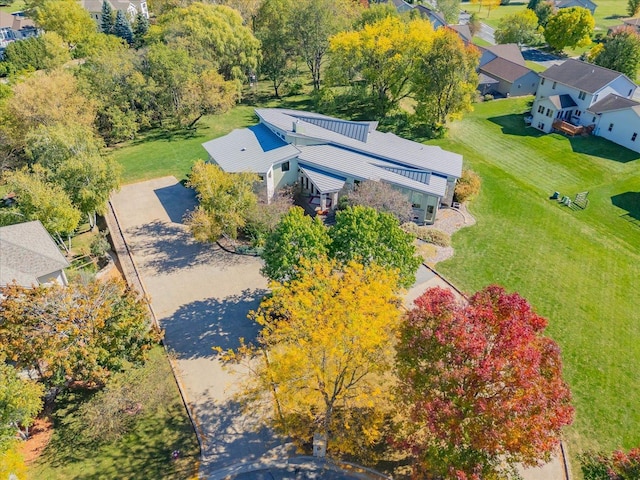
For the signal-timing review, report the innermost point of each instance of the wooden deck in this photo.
(570, 129)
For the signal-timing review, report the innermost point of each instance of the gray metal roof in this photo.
(386, 146)
(582, 75)
(324, 182)
(613, 102)
(341, 161)
(28, 252)
(254, 149)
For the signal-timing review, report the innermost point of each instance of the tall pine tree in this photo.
(122, 27)
(140, 29)
(107, 24)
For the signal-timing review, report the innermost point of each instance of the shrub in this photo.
(100, 245)
(468, 185)
(618, 466)
(488, 97)
(428, 234)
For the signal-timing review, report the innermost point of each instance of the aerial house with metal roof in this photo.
(324, 154)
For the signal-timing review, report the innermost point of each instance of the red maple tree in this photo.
(481, 385)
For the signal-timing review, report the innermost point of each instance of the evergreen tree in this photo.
(107, 24)
(140, 29)
(122, 28)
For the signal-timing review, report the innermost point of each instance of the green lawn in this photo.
(16, 6)
(144, 452)
(159, 153)
(578, 268)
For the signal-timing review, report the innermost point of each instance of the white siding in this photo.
(625, 124)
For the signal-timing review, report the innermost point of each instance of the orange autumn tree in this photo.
(481, 386)
(323, 356)
(79, 332)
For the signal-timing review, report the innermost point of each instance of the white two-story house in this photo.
(565, 92)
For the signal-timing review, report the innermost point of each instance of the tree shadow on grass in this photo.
(629, 201)
(143, 452)
(513, 124)
(168, 135)
(603, 148)
(162, 247)
(195, 328)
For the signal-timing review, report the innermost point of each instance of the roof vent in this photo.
(243, 149)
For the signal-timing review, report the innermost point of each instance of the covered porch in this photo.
(319, 188)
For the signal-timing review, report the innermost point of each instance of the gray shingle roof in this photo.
(253, 149)
(28, 252)
(613, 102)
(504, 69)
(385, 146)
(562, 101)
(508, 51)
(581, 75)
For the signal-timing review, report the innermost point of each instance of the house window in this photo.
(630, 92)
(577, 113)
(595, 99)
(610, 126)
(542, 81)
(540, 126)
(553, 87)
(593, 120)
(549, 113)
(285, 167)
(633, 137)
(582, 95)
(540, 109)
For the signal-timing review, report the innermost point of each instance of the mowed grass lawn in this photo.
(578, 268)
(143, 452)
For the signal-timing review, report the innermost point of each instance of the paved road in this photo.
(543, 58)
(487, 33)
(201, 296)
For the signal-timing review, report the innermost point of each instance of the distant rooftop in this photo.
(27, 252)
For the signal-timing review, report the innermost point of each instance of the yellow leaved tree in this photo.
(321, 362)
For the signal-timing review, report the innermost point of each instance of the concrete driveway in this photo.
(201, 296)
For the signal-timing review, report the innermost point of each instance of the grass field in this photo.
(16, 6)
(144, 452)
(608, 13)
(578, 268)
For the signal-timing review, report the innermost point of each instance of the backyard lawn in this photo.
(578, 268)
(144, 452)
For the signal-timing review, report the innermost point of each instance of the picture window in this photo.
(285, 167)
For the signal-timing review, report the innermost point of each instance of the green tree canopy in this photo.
(569, 27)
(122, 28)
(225, 200)
(38, 199)
(296, 236)
(45, 52)
(520, 27)
(621, 52)
(450, 9)
(313, 23)
(67, 18)
(633, 7)
(213, 35)
(277, 41)
(363, 235)
(107, 22)
(445, 79)
(20, 402)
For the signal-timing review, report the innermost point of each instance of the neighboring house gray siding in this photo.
(588, 4)
(621, 127)
(29, 256)
(129, 7)
(323, 154)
